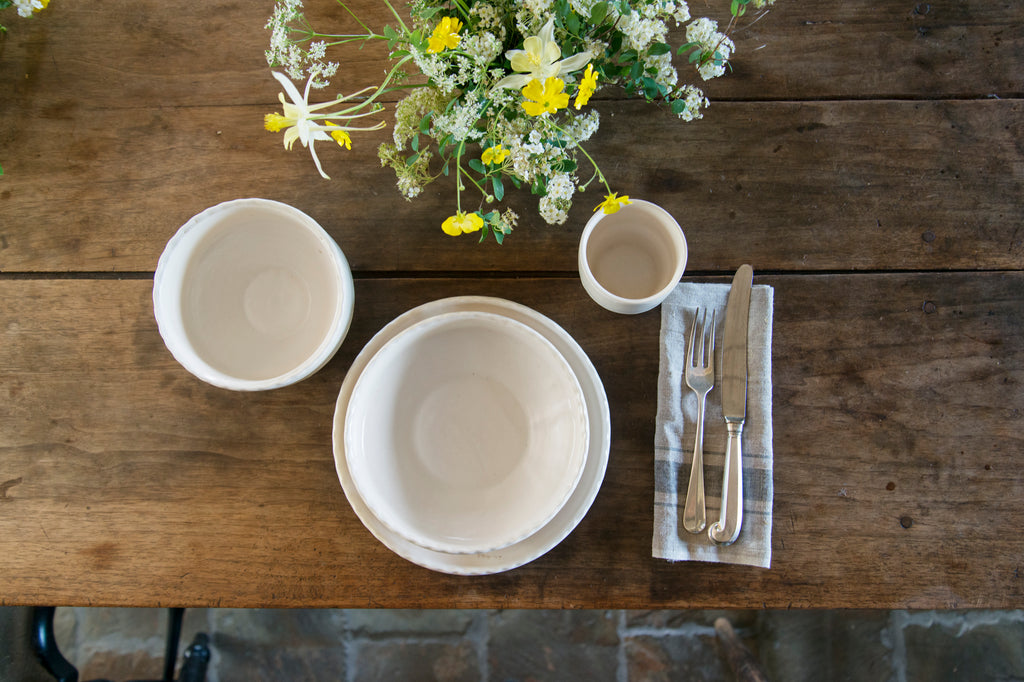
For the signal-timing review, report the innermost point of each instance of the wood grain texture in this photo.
(897, 429)
(806, 186)
(866, 155)
(129, 54)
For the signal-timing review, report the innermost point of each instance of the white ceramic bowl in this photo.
(631, 260)
(466, 432)
(252, 294)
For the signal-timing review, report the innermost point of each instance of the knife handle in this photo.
(730, 518)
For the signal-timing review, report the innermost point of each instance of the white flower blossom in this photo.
(27, 7)
(693, 103)
(704, 33)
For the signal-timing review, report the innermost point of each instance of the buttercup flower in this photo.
(495, 155)
(587, 87)
(462, 223)
(496, 95)
(539, 60)
(446, 35)
(612, 203)
(545, 99)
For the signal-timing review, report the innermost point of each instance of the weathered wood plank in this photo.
(897, 434)
(120, 53)
(806, 186)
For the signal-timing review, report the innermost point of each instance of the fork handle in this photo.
(727, 528)
(694, 513)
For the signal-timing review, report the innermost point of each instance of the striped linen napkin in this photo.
(676, 424)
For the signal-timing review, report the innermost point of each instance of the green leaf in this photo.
(412, 159)
(498, 187)
(598, 12)
(478, 166)
(678, 106)
(445, 170)
(659, 49)
(651, 88)
(415, 143)
(425, 123)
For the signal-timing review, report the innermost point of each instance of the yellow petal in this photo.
(450, 227)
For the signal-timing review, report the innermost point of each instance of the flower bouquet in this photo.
(497, 92)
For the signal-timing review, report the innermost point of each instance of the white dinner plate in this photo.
(579, 502)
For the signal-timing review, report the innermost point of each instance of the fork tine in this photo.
(711, 351)
(693, 333)
(698, 356)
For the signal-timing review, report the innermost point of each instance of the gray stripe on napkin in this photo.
(676, 424)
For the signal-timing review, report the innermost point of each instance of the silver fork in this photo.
(700, 376)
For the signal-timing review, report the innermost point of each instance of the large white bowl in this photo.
(466, 432)
(252, 294)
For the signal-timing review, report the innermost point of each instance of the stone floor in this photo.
(536, 646)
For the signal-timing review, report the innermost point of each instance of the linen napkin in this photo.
(676, 428)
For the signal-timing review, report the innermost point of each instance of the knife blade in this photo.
(734, 406)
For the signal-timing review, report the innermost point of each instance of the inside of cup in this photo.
(636, 252)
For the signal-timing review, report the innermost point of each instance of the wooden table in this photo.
(868, 162)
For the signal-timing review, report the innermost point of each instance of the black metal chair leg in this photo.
(197, 657)
(44, 643)
(174, 620)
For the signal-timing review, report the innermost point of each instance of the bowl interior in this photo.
(262, 294)
(466, 432)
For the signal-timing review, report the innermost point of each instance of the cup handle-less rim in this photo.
(621, 304)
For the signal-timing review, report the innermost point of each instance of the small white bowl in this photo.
(252, 294)
(466, 432)
(631, 260)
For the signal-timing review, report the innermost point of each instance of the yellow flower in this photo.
(462, 223)
(540, 59)
(275, 123)
(612, 203)
(340, 136)
(545, 99)
(446, 35)
(496, 155)
(587, 86)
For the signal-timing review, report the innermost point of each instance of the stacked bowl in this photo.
(471, 435)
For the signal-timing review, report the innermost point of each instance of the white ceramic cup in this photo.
(630, 260)
(252, 294)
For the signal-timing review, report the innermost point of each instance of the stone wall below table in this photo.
(536, 646)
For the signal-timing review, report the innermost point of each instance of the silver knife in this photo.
(734, 406)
